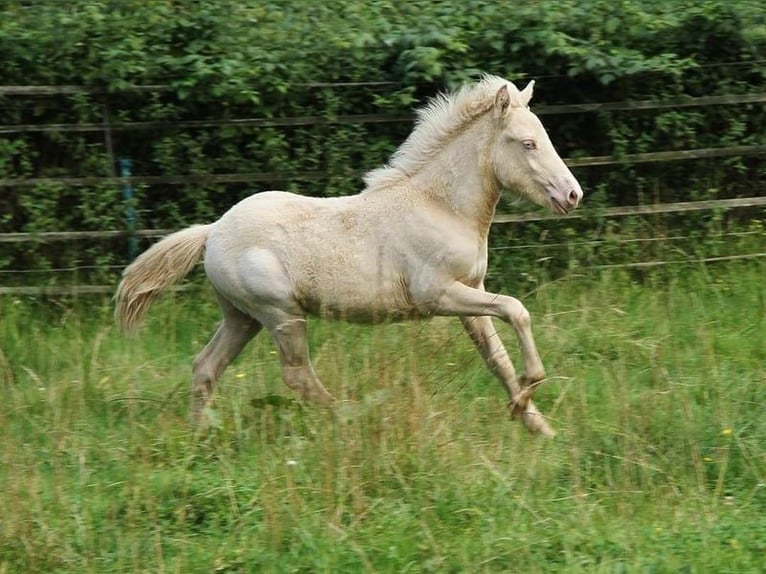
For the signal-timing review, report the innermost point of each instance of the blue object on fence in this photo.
(126, 170)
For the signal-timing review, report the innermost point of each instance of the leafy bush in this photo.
(227, 59)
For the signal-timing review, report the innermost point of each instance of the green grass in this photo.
(656, 386)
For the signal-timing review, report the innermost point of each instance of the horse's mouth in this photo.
(558, 207)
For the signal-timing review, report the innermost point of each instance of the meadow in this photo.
(657, 387)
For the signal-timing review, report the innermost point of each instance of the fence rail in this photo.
(54, 291)
(54, 236)
(52, 90)
(678, 207)
(185, 124)
(266, 177)
(550, 109)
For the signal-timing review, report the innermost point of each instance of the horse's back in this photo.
(284, 219)
(327, 255)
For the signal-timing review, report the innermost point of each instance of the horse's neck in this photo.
(458, 179)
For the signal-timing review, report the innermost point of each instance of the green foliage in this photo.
(227, 59)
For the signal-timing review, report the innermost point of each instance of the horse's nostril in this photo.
(573, 198)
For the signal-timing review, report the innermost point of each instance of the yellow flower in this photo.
(726, 432)
(240, 375)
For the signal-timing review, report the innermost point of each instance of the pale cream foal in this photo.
(413, 244)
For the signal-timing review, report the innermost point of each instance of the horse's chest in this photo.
(475, 275)
(467, 263)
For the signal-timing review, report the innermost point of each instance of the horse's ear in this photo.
(526, 93)
(502, 101)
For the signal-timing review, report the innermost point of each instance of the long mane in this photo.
(436, 125)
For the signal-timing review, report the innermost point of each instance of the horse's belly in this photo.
(365, 314)
(356, 300)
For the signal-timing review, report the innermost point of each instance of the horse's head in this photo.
(523, 156)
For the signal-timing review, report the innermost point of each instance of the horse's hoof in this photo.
(545, 431)
(518, 404)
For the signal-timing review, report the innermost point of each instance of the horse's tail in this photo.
(164, 263)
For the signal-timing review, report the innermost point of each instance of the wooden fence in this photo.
(107, 127)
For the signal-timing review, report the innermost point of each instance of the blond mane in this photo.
(437, 124)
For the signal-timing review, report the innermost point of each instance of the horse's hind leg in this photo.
(234, 332)
(297, 371)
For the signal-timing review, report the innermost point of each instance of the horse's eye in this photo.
(529, 144)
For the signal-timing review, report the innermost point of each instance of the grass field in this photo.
(657, 386)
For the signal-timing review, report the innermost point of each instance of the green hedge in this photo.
(229, 59)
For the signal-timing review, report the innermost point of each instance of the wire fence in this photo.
(79, 289)
(75, 272)
(108, 126)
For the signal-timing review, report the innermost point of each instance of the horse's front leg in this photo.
(460, 299)
(475, 306)
(483, 334)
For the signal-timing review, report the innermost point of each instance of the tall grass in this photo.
(656, 386)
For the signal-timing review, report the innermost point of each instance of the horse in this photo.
(411, 245)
